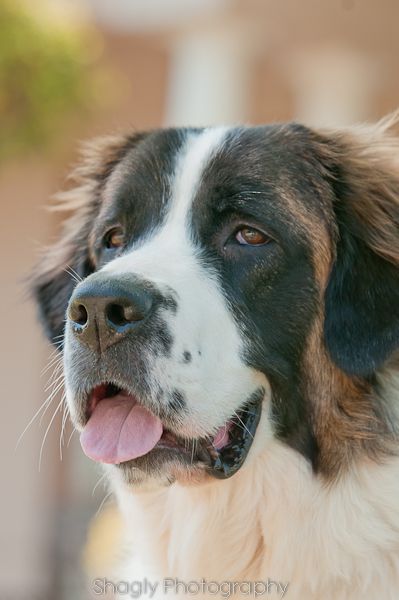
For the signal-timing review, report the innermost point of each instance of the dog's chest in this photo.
(273, 524)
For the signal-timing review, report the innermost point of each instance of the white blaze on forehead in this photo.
(196, 155)
(173, 236)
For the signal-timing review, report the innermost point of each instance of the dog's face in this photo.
(228, 276)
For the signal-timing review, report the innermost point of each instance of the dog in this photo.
(230, 340)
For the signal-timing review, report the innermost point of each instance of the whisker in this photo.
(56, 376)
(53, 353)
(69, 271)
(98, 483)
(71, 276)
(55, 372)
(58, 340)
(37, 413)
(243, 424)
(47, 431)
(102, 503)
(42, 408)
(55, 361)
(63, 423)
(70, 437)
(51, 398)
(75, 276)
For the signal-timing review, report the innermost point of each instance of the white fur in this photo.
(274, 519)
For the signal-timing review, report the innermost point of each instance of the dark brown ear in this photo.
(68, 259)
(362, 297)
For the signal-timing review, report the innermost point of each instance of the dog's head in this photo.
(227, 276)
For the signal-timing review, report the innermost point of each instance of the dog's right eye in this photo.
(249, 236)
(114, 238)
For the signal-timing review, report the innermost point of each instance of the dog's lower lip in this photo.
(225, 462)
(228, 460)
(221, 463)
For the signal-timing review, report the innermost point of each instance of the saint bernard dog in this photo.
(231, 350)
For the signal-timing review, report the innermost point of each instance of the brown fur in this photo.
(81, 201)
(348, 418)
(369, 162)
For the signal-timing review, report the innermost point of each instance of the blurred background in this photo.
(71, 70)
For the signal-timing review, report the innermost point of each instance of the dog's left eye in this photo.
(114, 238)
(249, 236)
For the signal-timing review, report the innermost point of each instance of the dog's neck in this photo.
(274, 519)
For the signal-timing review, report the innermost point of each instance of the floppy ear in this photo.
(362, 297)
(68, 260)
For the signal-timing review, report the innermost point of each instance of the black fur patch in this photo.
(187, 358)
(177, 402)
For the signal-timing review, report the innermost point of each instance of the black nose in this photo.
(104, 309)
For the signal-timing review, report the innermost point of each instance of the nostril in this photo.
(115, 314)
(120, 315)
(78, 314)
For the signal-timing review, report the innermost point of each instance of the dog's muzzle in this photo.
(114, 323)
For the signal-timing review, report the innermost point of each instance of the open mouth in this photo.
(120, 430)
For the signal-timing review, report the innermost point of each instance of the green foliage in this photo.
(43, 76)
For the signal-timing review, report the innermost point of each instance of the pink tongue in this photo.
(222, 437)
(119, 430)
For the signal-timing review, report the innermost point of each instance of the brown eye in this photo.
(115, 238)
(249, 236)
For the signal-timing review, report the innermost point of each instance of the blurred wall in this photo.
(26, 496)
